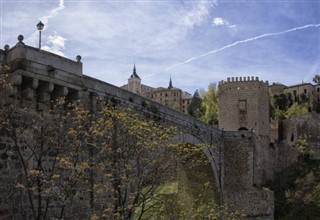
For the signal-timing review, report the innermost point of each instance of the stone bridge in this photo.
(38, 76)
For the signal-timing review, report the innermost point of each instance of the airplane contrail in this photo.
(54, 12)
(244, 41)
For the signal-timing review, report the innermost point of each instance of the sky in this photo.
(195, 42)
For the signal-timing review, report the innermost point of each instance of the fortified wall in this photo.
(239, 157)
(244, 105)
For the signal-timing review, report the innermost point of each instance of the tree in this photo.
(296, 109)
(281, 101)
(316, 79)
(43, 174)
(196, 108)
(210, 104)
(105, 163)
(4, 85)
(132, 159)
(301, 187)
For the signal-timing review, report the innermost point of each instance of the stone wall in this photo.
(240, 174)
(244, 103)
(294, 129)
(9, 167)
(40, 77)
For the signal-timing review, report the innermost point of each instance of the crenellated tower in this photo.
(244, 105)
(244, 109)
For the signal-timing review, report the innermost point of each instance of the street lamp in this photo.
(40, 26)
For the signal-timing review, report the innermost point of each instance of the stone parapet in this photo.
(41, 59)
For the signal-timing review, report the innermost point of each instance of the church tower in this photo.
(134, 82)
(170, 84)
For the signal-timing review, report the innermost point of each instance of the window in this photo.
(242, 106)
(305, 91)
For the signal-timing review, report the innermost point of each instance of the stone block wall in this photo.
(244, 103)
(300, 127)
(240, 174)
(39, 77)
(9, 168)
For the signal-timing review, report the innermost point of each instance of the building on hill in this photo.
(134, 84)
(303, 93)
(185, 101)
(171, 96)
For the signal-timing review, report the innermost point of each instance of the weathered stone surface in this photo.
(243, 160)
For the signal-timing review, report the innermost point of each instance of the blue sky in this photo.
(194, 42)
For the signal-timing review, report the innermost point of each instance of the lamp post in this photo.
(40, 26)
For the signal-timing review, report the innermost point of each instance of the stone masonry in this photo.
(239, 157)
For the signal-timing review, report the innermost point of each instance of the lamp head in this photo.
(40, 26)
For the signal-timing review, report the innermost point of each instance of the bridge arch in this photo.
(212, 151)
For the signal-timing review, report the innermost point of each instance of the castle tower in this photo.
(134, 82)
(244, 105)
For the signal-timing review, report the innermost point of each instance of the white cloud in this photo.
(218, 21)
(56, 44)
(54, 12)
(45, 20)
(222, 22)
(184, 21)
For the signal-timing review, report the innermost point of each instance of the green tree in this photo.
(296, 109)
(132, 160)
(46, 179)
(196, 108)
(210, 104)
(107, 163)
(316, 79)
(281, 101)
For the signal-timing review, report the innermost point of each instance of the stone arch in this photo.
(211, 153)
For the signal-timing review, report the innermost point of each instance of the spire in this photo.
(134, 74)
(170, 84)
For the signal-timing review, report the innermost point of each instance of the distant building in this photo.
(171, 96)
(300, 93)
(276, 88)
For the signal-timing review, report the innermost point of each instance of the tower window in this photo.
(242, 106)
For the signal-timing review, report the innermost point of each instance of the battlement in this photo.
(243, 83)
(241, 79)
